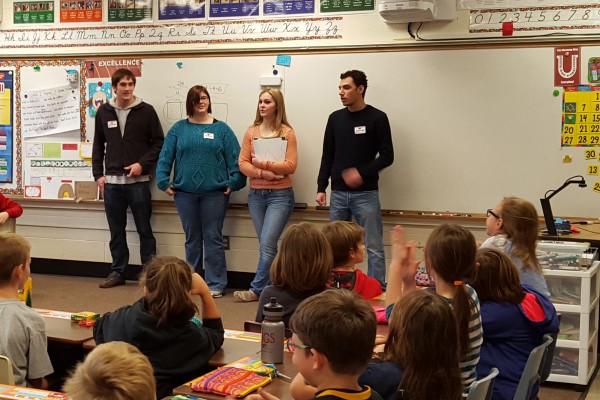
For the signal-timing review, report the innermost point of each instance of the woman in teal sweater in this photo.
(203, 154)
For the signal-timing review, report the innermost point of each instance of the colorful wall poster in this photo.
(130, 10)
(233, 8)
(328, 6)
(33, 12)
(581, 116)
(6, 126)
(81, 11)
(181, 9)
(100, 93)
(288, 7)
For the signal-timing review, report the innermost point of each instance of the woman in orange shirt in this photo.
(271, 197)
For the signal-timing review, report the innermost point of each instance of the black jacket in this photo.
(141, 142)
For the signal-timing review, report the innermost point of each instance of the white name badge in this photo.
(112, 124)
(360, 130)
(208, 135)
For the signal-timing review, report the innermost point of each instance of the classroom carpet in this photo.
(74, 294)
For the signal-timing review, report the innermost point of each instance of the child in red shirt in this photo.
(348, 246)
(9, 209)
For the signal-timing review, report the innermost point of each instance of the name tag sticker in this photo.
(208, 135)
(112, 124)
(360, 130)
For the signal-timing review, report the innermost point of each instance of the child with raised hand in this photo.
(515, 319)
(163, 323)
(332, 341)
(514, 228)
(112, 371)
(347, 240)
(22, 331)
(301, 268)
(450, 260)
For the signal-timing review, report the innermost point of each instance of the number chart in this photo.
(581, 116)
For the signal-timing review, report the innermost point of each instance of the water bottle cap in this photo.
(273, 309)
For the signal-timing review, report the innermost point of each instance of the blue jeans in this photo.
(366, 210)
(202, 216)
(270, 210)
(117, 198)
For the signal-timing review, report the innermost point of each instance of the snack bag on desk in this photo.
(237, 379)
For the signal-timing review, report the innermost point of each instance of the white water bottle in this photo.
(272, 333)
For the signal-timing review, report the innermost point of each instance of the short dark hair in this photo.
(14, 251)
(193, 98)
(120, 74)
(497, 279)
(358, 77)
(340, 325)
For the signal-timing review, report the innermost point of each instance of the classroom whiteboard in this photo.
(469, 125)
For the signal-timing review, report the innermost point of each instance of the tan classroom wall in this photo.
(64, 230)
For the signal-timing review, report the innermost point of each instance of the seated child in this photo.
(347, 240)
(515, 319)
(333, 336)
(302, 268)
(22, 331)
(112, 371)
(9, 209)
(163, 323)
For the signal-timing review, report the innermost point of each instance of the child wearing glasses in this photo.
(163, 323)
(332, 342)
(301, 268)
(514, 228)
(347, 240)
(411, 361)
(450, 260)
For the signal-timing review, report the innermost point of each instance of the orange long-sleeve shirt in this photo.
(285, 167)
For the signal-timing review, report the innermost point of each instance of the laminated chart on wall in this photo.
(6, 125)
(581, 116)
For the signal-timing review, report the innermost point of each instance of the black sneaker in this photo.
(114, 279)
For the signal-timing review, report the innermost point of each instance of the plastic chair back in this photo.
(547, 362)
(532, 372)
(482, 388)
(6, 371)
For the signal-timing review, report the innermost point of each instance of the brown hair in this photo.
(168, 282)
(340, 325)
(280, 116)
(112, 371)
(193, 98)
(450, 252)
(497, 279)
(120, 74)
(303, 262)
(423, 341)
(521, 224)
(14, 251)
(343, 236)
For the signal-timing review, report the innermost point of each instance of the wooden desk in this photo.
(278, 387)
(64, 331)
(588, 233)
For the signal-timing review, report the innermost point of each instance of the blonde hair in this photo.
(112, 371)
(168, 282)
(303, 262)
(14, 251)
(521, 224)
(280, 116)
(343, 236)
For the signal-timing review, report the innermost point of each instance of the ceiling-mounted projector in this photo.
(404, 11)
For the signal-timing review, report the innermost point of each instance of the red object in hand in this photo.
(507, 28)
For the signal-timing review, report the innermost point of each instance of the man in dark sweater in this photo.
(127, 141)
(357, 145)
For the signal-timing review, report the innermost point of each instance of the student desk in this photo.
(17, 392)
(64, 331)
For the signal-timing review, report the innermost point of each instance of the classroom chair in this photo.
(482, 388)
(6, 371)
(253, 326)
(533, 369)
(549, 357)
